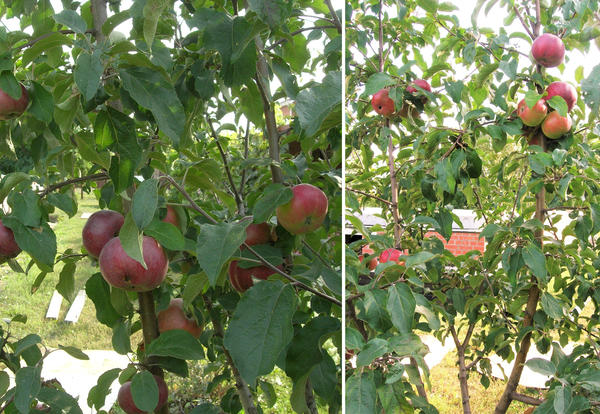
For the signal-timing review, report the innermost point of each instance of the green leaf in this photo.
(87, 73)
(120, 337)
(401, 306)
(27, 386)
(261, 328)
(232, 39)
(74, 352)
(378, 81)
(72, 20)
(288, 81)
(64, 202)
(42, 103)
(25, 206)
(144, 203)
(361, 393)
(176, 343)
(428, 5)
(272, 12)
(354, 340)
(419, 258)
(99, 392)
(9, 84)
(590, 90)
(531, 98)
(66, 281)
(455, 89)
(39, 242)
(217, 243)
(535, 260)
(552, 306)
(89, 152)
(305, 349)
(54, 397)
(541, 366)
(131, 240)
(4, 382)
(272, 254)
(273, 195)
(558, 103)
(563, 397)
(144, 391)
(375, 348)
(152, 11)
(98, 290)
(43, 45)
(166, 234)
(484, 73)
(150, 90)
(315, 104)
(25, 343)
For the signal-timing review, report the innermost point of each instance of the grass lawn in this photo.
(16, 296)
(445, 392)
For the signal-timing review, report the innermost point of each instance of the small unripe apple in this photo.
(10, 107)
(532, 116)
(125, 398)
(241, 279)
(123, 272)
(548, 50)
(382, 103)
(567, 91)
(421, 83)
(102, 226)
(555, 126)
(8, 245)
(305, 212)
(174, 317)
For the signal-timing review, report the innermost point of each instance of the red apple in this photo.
(532, 116)
(11, 108)
(8, 246)
(567, 91)
(555, 126)
(382, 103)
(306, 210)
(125, 398)
(241, 279)
(421, 83)
(174, 317)
(171, 216)
(548, 50)
(102, 226)
(123, 272)
(258, 234)
(390, 255)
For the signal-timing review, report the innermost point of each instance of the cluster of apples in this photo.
(384, 105)
(304, 213)
(549, 51)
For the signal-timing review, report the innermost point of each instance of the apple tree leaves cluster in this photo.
(186, 107)
(465, 148)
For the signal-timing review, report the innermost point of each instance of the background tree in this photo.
(179, 119)
(463, 145)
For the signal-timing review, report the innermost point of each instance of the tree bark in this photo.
(532, 301)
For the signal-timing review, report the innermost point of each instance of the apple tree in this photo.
(418, 153)
(192, 123)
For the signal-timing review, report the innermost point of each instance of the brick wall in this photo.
(461, 242)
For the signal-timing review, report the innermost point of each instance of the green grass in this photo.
(16, 296)
(445, 391)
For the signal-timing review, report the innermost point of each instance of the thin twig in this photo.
(316, 253)
(334, 16)
(525, 26)
(45, 35)
(238, 199)
(70, 181)
(389, 203)
(296, 32)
